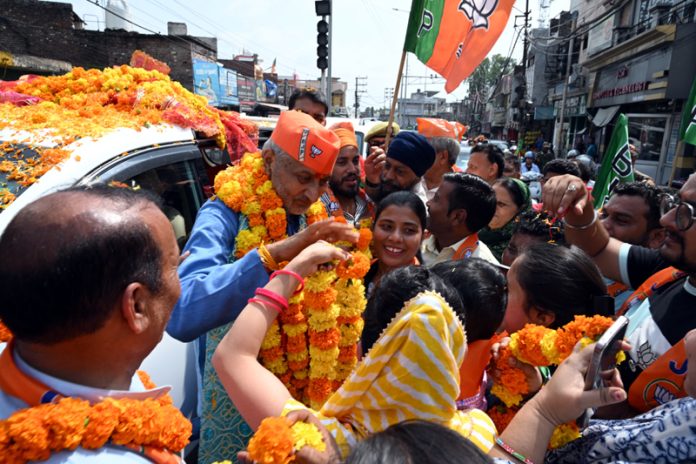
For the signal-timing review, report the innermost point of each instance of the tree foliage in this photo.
(488, 73)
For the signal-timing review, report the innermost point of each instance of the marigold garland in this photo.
(5, 334)
(276, 440)
(36, 432)
(313, 344)
(89, 103)
(541, 346)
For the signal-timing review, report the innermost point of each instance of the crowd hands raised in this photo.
(439, 303)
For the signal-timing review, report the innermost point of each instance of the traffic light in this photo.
(322, 44)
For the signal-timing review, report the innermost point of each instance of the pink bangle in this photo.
(273, 296)
(292, 274)
(265, 304)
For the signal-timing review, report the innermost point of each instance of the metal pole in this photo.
(526, 35)
(329, 84)
(559, 135)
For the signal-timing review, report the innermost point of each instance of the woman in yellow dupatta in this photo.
(411, 372)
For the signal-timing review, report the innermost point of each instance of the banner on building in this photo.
(616, 165)
(217, 84)
(452, 37)
(688, 121)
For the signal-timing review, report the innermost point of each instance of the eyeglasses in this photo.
(684, 217)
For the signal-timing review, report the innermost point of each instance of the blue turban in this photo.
(413, 150)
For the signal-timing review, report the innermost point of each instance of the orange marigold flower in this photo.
(319, 390)
(501, 416)
(273, 442)
(320, 301)
(103, 419)
(348, 354)
(526, 345)
(365, 239)
(354, 267)
(326, 339)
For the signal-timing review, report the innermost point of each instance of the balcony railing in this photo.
(682, 13)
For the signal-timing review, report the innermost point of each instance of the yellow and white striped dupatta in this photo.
(412, 372)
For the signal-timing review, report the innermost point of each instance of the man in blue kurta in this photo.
(298, 159)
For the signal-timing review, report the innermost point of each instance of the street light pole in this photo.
(329, 84)
(559, 134)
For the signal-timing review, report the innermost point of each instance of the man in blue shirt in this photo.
(215, 287)
(529, 165)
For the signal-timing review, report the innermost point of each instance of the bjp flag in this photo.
(452, 37)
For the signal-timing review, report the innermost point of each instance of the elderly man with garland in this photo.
(88, 278)
(346, 198)
(258, 219)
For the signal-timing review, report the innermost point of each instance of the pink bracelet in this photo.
(265, 304)
(273, 296)
(292, 274)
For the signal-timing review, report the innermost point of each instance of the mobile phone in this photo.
(603, 360)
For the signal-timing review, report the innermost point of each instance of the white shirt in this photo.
(429, 193)
(421, 191)
(432, 256)
(104, 455)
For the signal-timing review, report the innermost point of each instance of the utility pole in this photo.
(388, 95)
(329, 84)
(526, 36)
(360, 83)
(571, 44)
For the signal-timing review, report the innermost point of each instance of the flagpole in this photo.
(394, 100)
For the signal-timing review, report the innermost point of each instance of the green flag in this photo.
(616, 165)
(687, 131)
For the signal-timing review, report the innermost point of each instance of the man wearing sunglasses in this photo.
(661, 311)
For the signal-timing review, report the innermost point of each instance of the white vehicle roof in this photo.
(87, 155)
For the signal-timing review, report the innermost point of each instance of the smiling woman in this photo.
(397, 235)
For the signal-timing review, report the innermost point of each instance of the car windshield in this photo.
(15, 160)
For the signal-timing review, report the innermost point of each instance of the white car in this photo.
(167, 160)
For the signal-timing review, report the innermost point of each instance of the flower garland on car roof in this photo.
(312, 346)
(540, 346)
(89, 103)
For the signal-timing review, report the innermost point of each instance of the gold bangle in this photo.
(586, 226)
(266, 258)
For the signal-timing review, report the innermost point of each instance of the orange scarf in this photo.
(467, 248)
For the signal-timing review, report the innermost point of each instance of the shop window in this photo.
(647, 134)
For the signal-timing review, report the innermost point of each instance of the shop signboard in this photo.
(600, 36)
(217, 84)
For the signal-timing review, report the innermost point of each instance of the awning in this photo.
(604, 116)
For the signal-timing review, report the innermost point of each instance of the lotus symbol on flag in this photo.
(478, 11)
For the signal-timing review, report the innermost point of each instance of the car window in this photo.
(176, 175)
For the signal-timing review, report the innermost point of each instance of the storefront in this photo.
(649, 88)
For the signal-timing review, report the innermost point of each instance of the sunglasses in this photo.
(684, 217)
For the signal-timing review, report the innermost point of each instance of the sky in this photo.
(367, 36)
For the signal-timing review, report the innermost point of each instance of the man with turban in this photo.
(409, 156)
(221, 272)
(345, 197)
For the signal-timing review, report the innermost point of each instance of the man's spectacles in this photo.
(684, 217)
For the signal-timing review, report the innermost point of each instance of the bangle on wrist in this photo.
(292, 274)
(266, 258)
(371, 184)
(274, 297)
(586, 226)
(265, 304)
(508, 449)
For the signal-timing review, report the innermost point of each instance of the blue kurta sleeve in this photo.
(213, 291)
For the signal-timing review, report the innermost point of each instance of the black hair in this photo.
(395, 289)
(473, 194)
(561, 166)
(417, 442)
(515, 190)
(650, 194)
(447, 144)
(585, 171)
(563, 281)
(515, 160)
(494, 155)
(483, 291)
(407, 199)
(541, 225)
(313, 95)
(61, 278)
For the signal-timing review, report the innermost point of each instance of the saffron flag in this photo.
(616, 165)
(452, 37)
(688, 122)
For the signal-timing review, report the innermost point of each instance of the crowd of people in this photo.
(92, 277)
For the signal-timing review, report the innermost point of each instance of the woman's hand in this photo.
(564, 398)
(531, 373)
(329, 230)
(315, 256)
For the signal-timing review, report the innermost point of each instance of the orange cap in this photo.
(310, 143)
(346, 133)
(432, 127)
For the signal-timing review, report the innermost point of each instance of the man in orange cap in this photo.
(345, 197)
(216, 284)
(443, 136)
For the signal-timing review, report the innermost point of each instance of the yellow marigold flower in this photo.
(323, 356)
(299, 356)
(307, 435)
(322, 370)
(548, 347)
(272, 338)
(350, 333)
(323, 320)
(246, 240)
(277, 366)
(563, 434)
(301, 375)
(320, 281)
(251, 206)
(293, 330)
